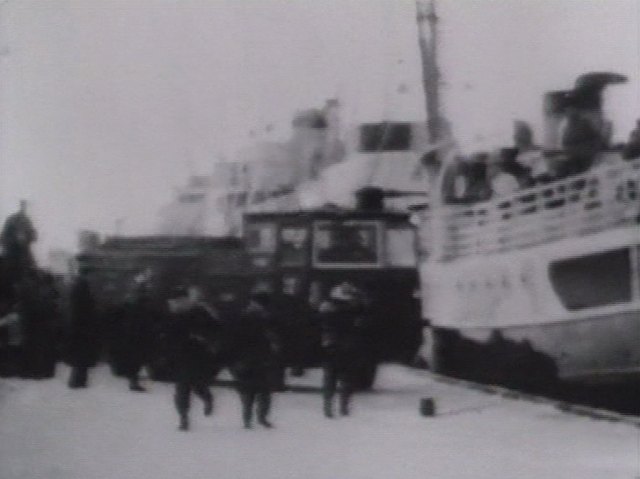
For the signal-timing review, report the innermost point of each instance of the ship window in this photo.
(401, 247)
(385, 137)
(595, 280)
(346, 244)
(261, 237)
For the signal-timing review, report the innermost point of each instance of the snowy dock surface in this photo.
(107, 432)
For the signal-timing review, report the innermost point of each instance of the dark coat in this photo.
(344, 331)
(131, 334)
(193, 344)
(84, 335)
(16, 237)
(256, 345)
(37, 305)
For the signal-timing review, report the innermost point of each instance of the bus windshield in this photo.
(349, 243)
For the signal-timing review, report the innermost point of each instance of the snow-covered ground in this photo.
(105, 431)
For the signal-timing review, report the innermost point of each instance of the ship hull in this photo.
(596, 350)
(567, 311)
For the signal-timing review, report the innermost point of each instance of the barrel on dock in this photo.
(427, 407)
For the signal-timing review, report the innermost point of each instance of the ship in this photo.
(540, 286)
(321, 164)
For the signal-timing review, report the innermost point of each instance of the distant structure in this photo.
(213, 204)
(322, 163)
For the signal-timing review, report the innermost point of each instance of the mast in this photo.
(428, 40)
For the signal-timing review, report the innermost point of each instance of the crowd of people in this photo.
(483, 176)
(579, 139)
(195, 340)
(182, 338)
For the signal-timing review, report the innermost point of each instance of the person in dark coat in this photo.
(194, 334)
(137, 335)
(343, 324)
(478, 187)
(132, 334)
(582, 141)
(37, 305)
(256, 346)
(16, 237)
(84, 337)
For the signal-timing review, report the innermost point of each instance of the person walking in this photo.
(137, 334)
(256, 348)
(193, 334)
(84, 337)
(343, 331)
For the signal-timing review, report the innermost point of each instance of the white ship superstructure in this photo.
(542, 283)
(319, 165)
(555, 268)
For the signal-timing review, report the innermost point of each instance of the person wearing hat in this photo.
(195, 333)
(342, 319)
(256, 347)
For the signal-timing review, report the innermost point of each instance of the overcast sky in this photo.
(106, 105)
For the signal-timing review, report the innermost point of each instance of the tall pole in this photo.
(428, 40)
(4, 51)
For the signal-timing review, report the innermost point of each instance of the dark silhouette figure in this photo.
(343, 322)
(132, 335)
(582, 141)
(17, 235)
(37, 304)
(587, 131)
(193, 337)
(84, 336)
(256, 348)
(478, 187)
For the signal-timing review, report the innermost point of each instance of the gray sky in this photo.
(106, 105)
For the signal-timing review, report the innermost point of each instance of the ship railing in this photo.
(605, 197)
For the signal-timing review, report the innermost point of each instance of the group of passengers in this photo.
(584, 141)
(483, 176)
(190, 338)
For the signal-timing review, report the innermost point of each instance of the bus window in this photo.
(294, 241)
(261, 237)
(401, 247)
(346, 244)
